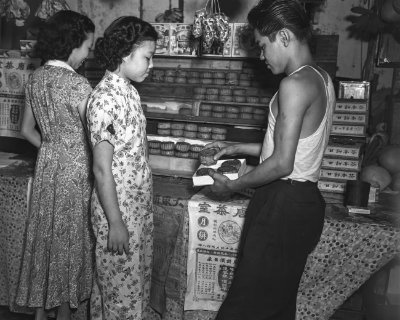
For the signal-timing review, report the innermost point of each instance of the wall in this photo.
(351, 52)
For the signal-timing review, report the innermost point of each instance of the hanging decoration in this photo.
(211, 24)
(171, 15)
(17, 10)
(49, 7)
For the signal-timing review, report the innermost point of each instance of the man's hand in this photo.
(221, 184)
(224, 149)
(118, 238)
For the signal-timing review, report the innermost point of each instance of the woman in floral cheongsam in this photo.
(122, 200)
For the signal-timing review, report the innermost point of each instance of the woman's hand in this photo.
(118, 238)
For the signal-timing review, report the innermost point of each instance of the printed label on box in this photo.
(348, 130)
(181, 40)
(343, 164)
(338, 174)
(27, 45)
(343, 151)
(353, 90)
(243, 41)
(218, 48)
(14, 74)
(162, 44)
(351, 106)
(331, 186)
(349, 118)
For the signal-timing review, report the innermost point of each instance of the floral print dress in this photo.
(121, 288)
(57, 259)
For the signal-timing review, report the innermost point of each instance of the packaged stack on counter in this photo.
(341, 162)
(343, 157)
(191, 130)
(178, 156)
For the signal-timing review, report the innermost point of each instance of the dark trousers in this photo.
(282, 226)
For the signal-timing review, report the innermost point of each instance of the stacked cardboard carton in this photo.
(343, 156)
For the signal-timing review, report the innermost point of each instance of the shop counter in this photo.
(351, 249)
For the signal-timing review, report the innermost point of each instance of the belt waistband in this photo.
(297, 182)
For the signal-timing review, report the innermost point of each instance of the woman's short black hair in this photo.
(270, 16)
(61, 33)
(120, 39)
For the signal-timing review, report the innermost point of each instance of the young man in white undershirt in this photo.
(285, 217)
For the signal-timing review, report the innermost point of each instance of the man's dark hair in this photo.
(61, 33)
(270, 16)
(120, 38)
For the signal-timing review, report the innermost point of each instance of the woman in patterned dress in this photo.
(57, 260)
(122, 204)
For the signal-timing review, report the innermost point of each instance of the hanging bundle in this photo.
(49, 7)
(17, 10)
(211, 24)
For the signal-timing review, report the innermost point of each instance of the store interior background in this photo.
(329, 19)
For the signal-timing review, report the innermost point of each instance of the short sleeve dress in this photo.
(122, 282)
(58, 254)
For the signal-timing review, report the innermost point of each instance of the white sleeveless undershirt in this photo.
(310, 149)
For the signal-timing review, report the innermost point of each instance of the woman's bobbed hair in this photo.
(120, 39)
(61, 33)
(270, 16)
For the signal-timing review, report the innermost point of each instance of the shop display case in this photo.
(189, 101)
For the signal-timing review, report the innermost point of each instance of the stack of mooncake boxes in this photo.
(343, 157)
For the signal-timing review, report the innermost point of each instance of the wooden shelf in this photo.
(207, 120)
(199, 102)
(203, 56)
(195, 85)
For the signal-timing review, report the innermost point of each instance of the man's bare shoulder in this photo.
(305, 80)
(304, 86)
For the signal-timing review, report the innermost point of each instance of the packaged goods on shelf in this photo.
(180, 40)
(243, 41)
(354, 90)
(163, 41)
(219, 48)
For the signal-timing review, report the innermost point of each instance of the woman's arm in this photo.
(118, 237)
(82, 112)
(28, 130)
